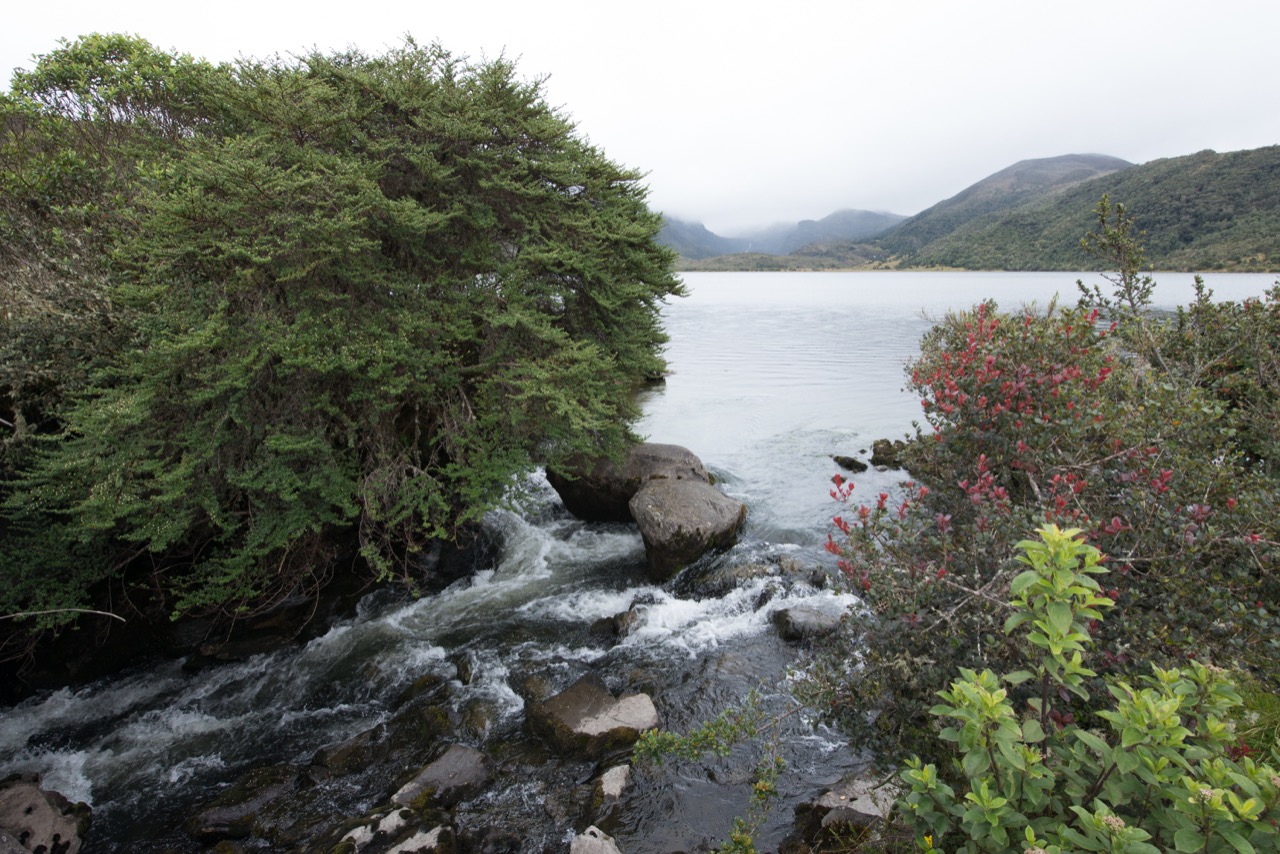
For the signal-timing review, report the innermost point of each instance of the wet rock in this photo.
(466, 665)
(609, 789)
(234, 813)
(768, 593)
(858, 803)
(852, 464)
(887, 453)
(681, 520)
(601, 491)
(721, 580)
(353, 755)
(804, 623)
(35, 819)
(615, 628)
(614, 782)
(587, 719)
(457, 775)
(476, 718)
(593, 840)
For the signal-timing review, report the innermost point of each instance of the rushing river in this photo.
(771, 374)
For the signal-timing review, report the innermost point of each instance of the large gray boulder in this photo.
(681, 520)
(587, 719)
(598, 490)
(40, 820)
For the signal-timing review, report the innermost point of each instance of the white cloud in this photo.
(747, 113)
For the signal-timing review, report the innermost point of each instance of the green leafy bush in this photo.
(1159, 777)
(340, 299)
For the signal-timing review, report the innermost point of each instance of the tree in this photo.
(362, 294)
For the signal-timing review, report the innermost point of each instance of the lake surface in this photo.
(771, 374)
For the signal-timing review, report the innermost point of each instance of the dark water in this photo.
(771, 374)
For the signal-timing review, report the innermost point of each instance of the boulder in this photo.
(857, 803)
(37, 820)
(600, 490)
(457, 775)
(680, 520)
(804, 623)
(593, 840)
(587, 719)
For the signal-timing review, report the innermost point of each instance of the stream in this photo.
(771, 374)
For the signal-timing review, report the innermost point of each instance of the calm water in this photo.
(771, 374)
(774, 372)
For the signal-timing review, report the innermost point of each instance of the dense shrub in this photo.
(340, 298)
(1156, 775)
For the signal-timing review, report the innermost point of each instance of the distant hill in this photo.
(693, 241)
(1203, 211)
(1024, 182)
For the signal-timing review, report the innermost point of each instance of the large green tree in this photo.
(331, 297)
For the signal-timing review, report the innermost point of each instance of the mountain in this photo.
(693, 241)
(1024, 182)
(1200, 212)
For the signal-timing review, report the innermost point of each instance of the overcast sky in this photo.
(743, 113)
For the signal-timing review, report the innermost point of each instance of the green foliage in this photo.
(1161, 779)
(343, 295)
(1154, 434)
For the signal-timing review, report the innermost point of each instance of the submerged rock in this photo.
(682, 520)
(459, 774)
(39, 820)
(848, 463)
(587, 719)
(600, 490)
(235, 813)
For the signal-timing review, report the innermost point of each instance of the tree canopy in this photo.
(252, 309)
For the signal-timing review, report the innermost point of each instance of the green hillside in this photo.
(1204, 211)
(1023, 183)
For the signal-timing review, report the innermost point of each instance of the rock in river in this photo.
(460, 773)
(587, 719)
(601, 491)
(40, 820)
(682, 520)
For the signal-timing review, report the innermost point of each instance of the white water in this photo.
(772, 373)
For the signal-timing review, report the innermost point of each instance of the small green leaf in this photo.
(1017, 677)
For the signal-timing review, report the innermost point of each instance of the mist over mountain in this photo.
(694, 241)
(1202, 211)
